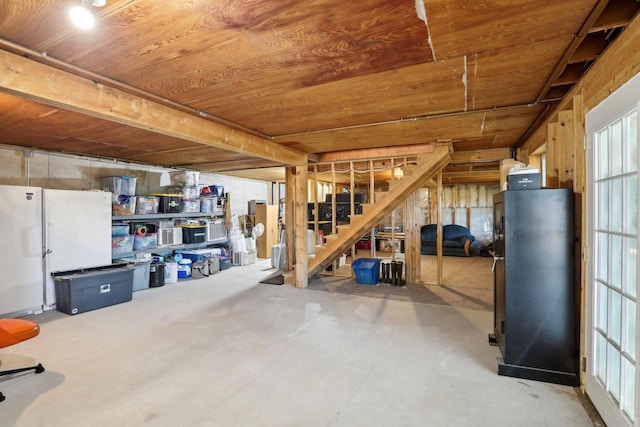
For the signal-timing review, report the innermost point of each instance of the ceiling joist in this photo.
(37, 82)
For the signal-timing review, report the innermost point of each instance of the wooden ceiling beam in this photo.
(471, 177)
(481, 155)
(232, 165)
(31, 80)
(375, 153)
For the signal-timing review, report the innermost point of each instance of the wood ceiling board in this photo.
(26, 116)
(266, 174)
(188, 156)
(235, 47)
(456, 127)
(234, 165)
(471, 144)
(509, 77)
(413, 91)
(31, 80)
(471, 177)
(11, 136)
(462, 27)
(88, 148)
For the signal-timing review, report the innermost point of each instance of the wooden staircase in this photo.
(372, 214)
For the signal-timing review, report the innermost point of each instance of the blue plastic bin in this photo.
(367, 270)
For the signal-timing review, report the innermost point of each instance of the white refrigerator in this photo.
(21, 250)
(46, 231)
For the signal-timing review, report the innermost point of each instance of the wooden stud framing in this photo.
(439, 232)
(289, 216)
(412, 237)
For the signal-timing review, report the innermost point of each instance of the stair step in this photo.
(355, 217)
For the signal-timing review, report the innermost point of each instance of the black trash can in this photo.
(156, 275)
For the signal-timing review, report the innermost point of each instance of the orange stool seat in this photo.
(13, 331)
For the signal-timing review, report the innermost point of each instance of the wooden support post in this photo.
(412, 237)
(372, 200)
(352, 205)
(333, 198)
(372, 183)
(300, 226)
(439, 233)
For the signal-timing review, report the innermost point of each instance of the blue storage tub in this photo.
(367, 270)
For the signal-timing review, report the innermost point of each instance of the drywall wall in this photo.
(67, 172)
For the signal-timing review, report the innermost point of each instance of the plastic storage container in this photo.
(189, 178)
(189, 192)
(85, 290)
(121, 245)
(126, 205)
(193, 233)
(168, 203)
(190, 206)
(367, 270)
(118, 185)
(147, 205)
(118, 230)
(140, 272)
(145, 241)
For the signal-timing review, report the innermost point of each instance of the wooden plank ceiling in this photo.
(317, 77)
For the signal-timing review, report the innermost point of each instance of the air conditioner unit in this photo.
(170, 236)
(216, 230)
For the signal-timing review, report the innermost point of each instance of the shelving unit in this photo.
(168, 249)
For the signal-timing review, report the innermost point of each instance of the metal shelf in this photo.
(165, 216)
(168, 250)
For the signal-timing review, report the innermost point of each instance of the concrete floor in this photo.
(227, 351)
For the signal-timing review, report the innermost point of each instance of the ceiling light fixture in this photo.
(81, 15)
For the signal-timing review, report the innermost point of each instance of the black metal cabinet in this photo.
(535, 314)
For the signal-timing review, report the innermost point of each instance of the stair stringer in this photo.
(428, 165)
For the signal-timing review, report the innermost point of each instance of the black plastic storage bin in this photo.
(168, 203)
(194, 233)
(84, 290)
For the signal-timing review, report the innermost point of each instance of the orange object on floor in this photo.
(14, 331)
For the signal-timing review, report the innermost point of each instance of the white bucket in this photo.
(170, 272)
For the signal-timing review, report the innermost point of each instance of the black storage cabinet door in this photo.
(535, 311)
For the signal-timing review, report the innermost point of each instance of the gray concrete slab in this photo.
(228, 351)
